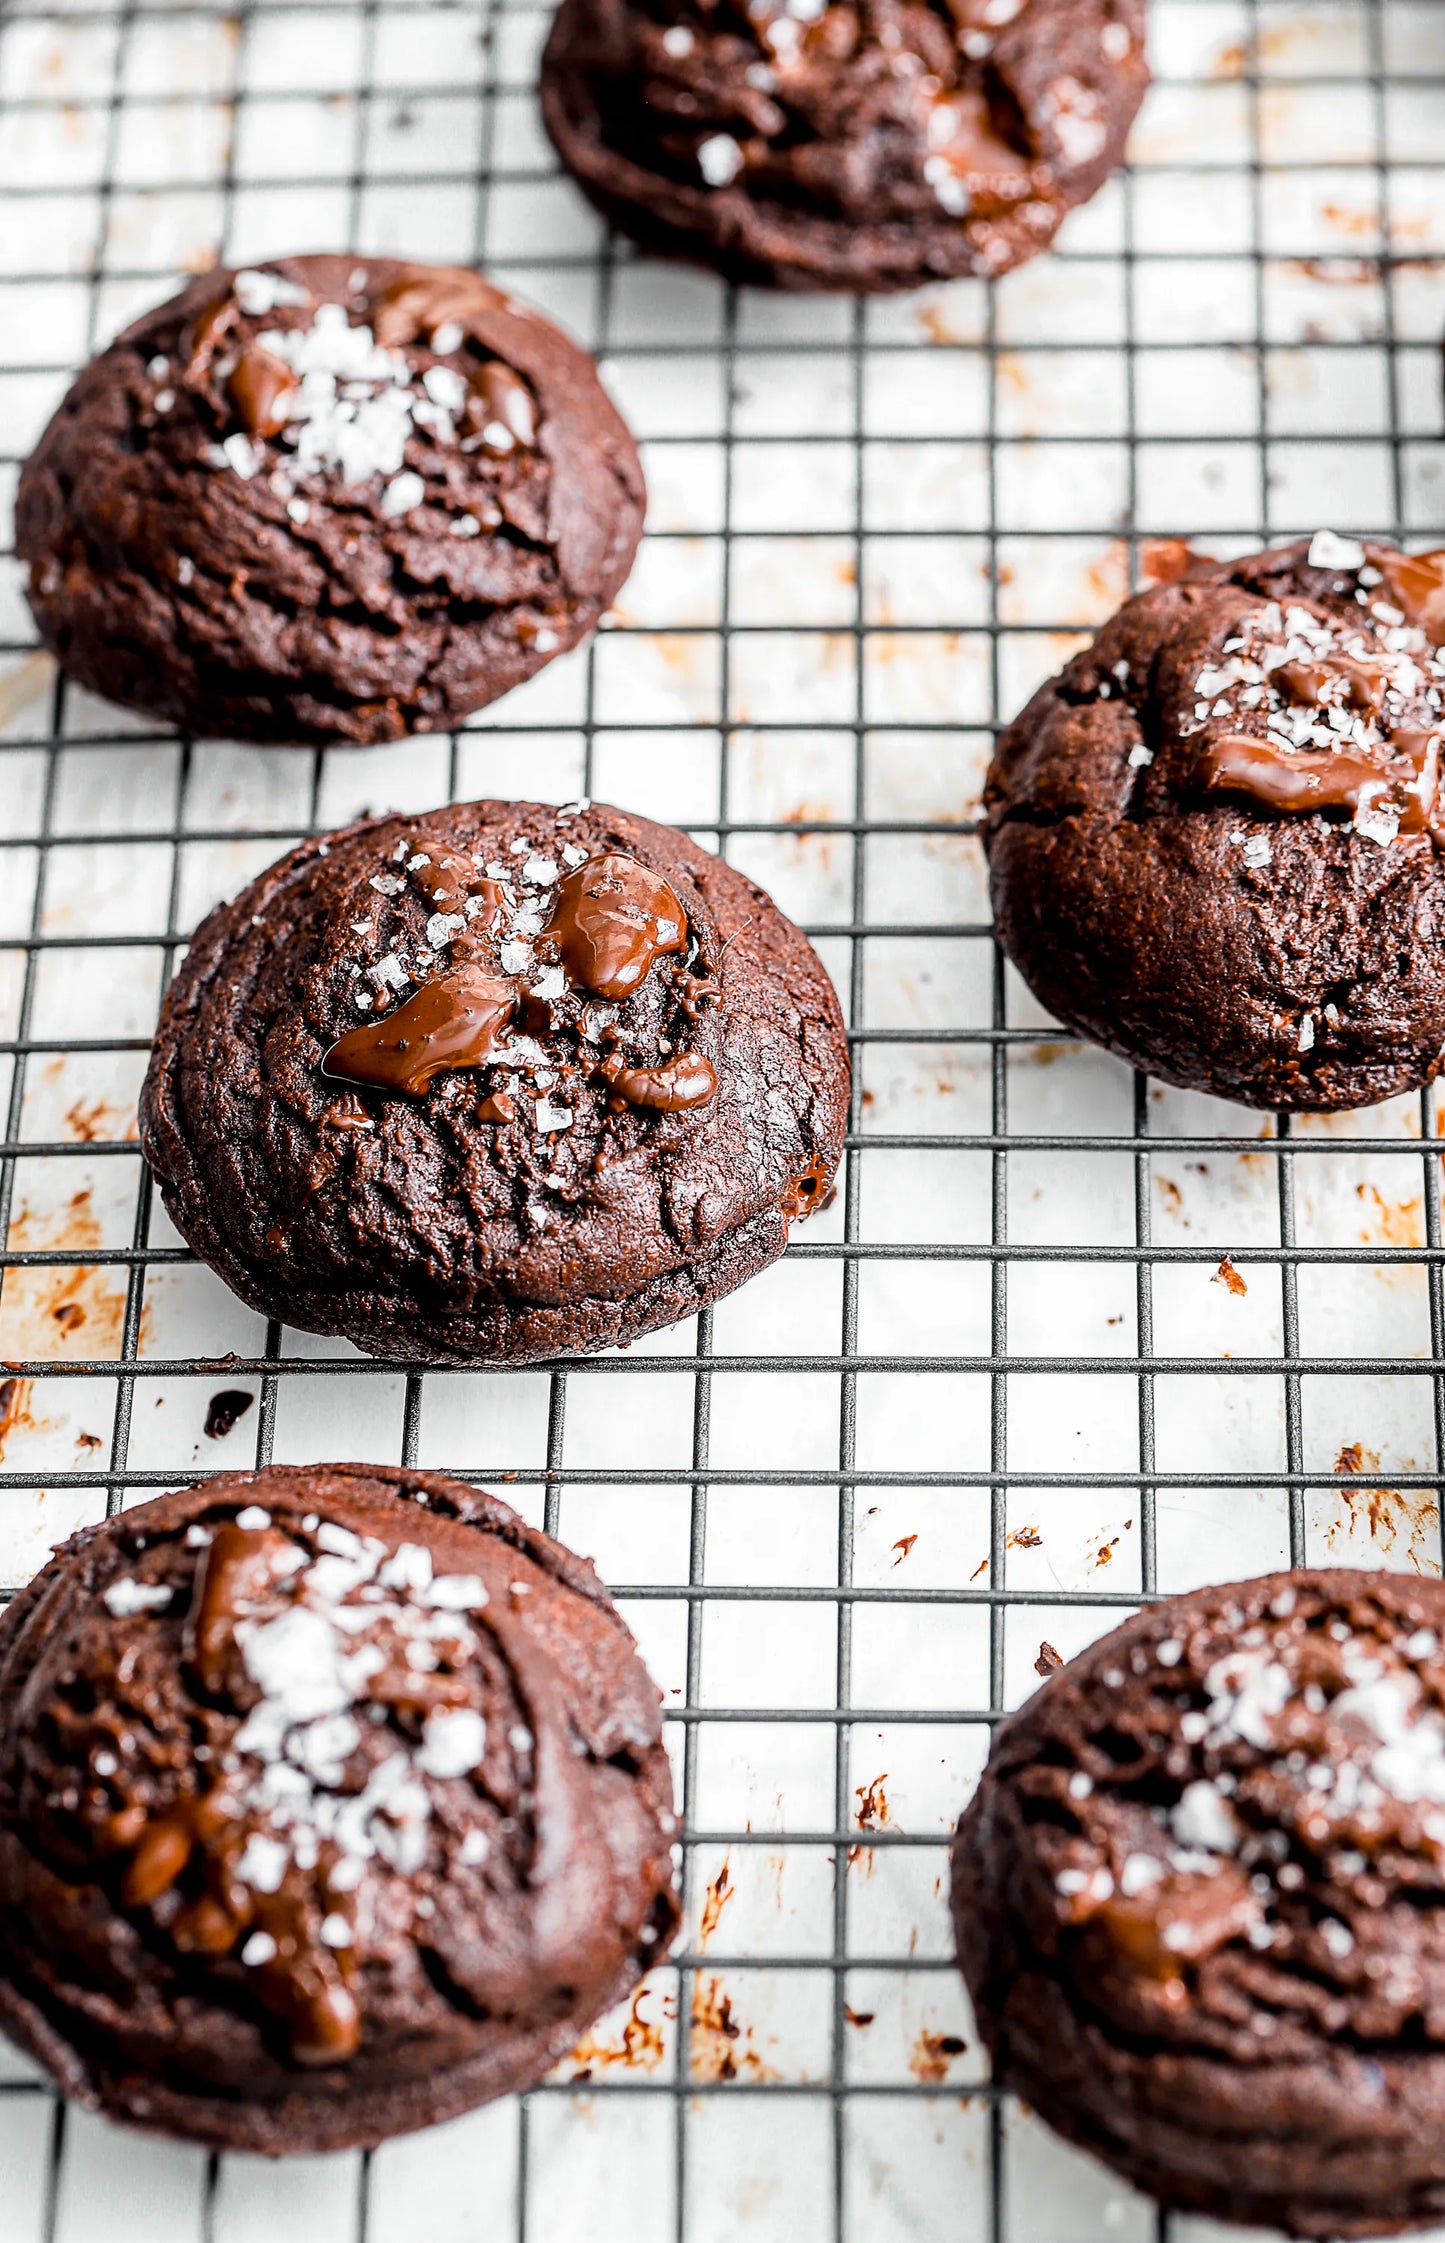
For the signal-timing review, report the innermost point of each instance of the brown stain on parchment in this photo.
(874, 1813)
(721, 2047)
(1386, 1516)
(55, 1311)
(16, 1395)
(1395, 1222)
(931, 2055)
(640, 2048)
(719, 1893)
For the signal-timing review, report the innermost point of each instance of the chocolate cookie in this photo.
(327, 500)
(864, 145)
(1215, 841)
(1200, 1902)
(332, 1803)
(498, 1083)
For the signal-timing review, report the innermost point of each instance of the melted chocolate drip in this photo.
(674, 1086)
(612, 921)
(455, 1021)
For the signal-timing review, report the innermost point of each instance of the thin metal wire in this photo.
(992, 1478)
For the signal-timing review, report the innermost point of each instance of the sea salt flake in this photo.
(1378, 824)
(719, 159)
(402, 493)
(464, 525)
(573, 855)
(550, 1116)
(453, 1741)
(1330, 552)
(253, 1518)
(1337, 1938)
(259, 1948)
(126, 1597)
(455, 1592)
(677, 40)
(258, 293)
(1203, 1818)
(262, 1863)
(1139, 756)
(442, 925)
(1139, 1872)
(1257, 852)
(550, 984)
(447, 338)
(1307, 1032)
(514, 957)
(241, 455)
(474, 1848)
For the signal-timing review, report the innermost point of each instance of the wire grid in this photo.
(1216, 342)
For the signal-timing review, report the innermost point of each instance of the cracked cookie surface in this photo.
(496, 1083)
(1215, 839)
(333, 1802)
(1199, 1898)
(823, 144)
(327, 499)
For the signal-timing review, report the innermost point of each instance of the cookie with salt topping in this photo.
(1217, 840)
(502, 1082)
(329, 500)
(333, 1802)
(822, 144)
(1199, 1897)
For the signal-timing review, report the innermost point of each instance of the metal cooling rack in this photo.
(1004, 1388)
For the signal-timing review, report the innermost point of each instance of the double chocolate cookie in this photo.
(332, 1803)
(1215, 842)
(843, 144)
(1200, 1902)
(327, 500)
(498, 1083)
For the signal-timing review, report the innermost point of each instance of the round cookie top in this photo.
(1264, 738)
(332, 1802)
(328, 499)
(1200, 1899)
(495, 1082)
(867, 144)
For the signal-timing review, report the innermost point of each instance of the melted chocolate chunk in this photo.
(262, 387)
(225, 1410)
(1297, 781)
(1415, 583)
(613, 920)
(674, 1086)
(455, 1021)
(499, 400)
(412, 307)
